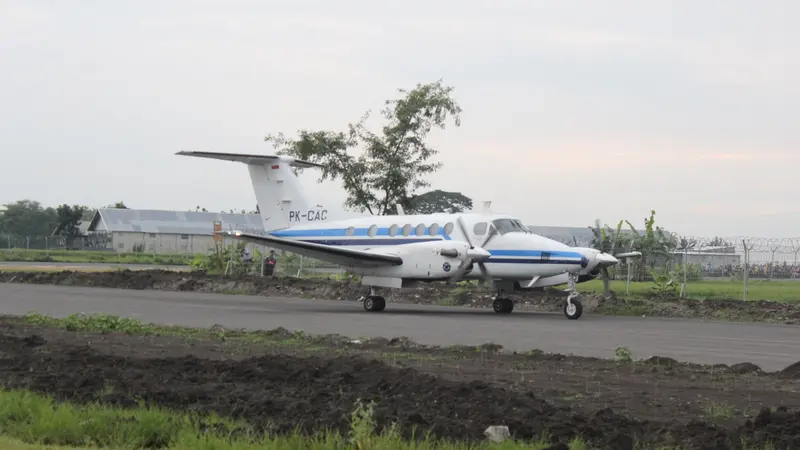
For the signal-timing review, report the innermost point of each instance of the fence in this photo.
(739, 267)
(684, 260)
(98, 249)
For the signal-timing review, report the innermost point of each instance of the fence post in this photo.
(745, 272)
(685, 260)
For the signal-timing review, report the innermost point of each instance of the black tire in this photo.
(374, 303)
(503, 305)
(575, 312)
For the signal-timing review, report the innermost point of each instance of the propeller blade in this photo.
(492, 232)
(462, 269)
(486, 277)
(628, 255)
(460, 222)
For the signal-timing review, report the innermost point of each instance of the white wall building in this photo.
(157, 231)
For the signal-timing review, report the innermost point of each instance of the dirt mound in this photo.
(792, 371)
(318, 392)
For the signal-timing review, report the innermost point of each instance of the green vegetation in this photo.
(392, 163)
(779, 291)
(107, 257)
(108, 323)
(32, 418)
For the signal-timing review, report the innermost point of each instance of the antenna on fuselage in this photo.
(400, 211)
(487, 207)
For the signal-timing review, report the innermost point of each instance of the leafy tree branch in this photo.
(395, 163)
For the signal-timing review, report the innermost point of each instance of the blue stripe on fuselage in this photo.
(498, 256)
(342, 232)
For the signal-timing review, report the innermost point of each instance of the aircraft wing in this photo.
(336, 255)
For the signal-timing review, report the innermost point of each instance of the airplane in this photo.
(397, 251)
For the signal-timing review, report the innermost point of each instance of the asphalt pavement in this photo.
(772, 347)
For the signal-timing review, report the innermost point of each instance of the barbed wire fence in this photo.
(742, 261)
(687, 261)
(159, 250)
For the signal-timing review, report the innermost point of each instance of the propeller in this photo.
(474, 254)
(604, 268)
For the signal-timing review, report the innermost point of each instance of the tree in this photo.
(69, 217)
(27, 218)
(394, 162)
(436, 202)
(118, 205)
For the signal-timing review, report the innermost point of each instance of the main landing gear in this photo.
(374, 302)
(502, 304)
(572, 308)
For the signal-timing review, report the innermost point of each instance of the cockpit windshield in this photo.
(504, 226)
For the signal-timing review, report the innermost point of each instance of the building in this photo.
(157, 231)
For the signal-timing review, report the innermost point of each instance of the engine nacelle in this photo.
(584, 277)
(425, 261)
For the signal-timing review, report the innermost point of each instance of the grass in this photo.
(7, 443)
(772, 290)
(719, 411)
(35, 421)
(97, 256)
(276, 338)
(108, 323)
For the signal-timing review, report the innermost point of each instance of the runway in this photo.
(772, 347)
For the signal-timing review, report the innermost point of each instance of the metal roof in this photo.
(171, 222)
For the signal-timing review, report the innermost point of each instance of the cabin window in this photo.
(448, 228)
(480, 228)
(350, 231)
(406, 229)
(373, 230)
(420, 229)
(433, 229)
(510, 226)
(393, 230)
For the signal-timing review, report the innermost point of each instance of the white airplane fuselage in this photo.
(516, 253)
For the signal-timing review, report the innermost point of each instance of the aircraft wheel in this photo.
(503, 305)
(375, 303)
(573, 310)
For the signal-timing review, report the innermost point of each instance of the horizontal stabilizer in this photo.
(250, 159)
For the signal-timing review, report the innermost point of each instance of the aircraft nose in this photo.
(478, 254)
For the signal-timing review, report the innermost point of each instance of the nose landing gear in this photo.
(572, 308)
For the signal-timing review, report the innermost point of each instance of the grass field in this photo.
(31, 421)
(773, 290)
(78, 256)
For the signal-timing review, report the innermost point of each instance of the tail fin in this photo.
(282, 201)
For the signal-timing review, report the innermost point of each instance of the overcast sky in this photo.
(573, 110)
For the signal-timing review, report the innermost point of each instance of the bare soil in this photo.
(442, 294)
(280, 381)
